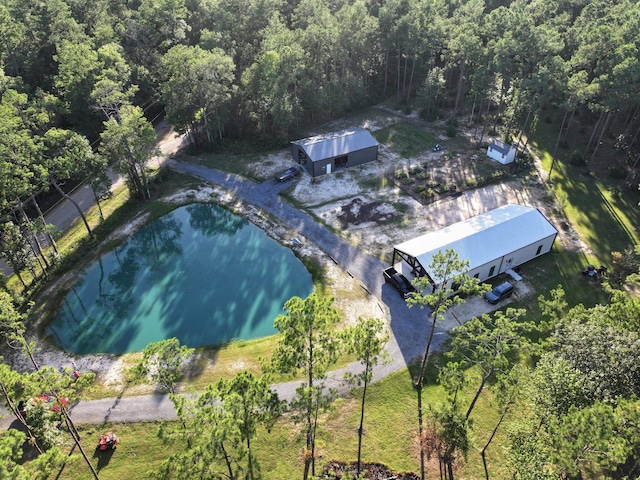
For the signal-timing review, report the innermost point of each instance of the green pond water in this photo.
(200, 273)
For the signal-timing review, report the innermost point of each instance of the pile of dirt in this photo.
(358, 211)
(373, 471)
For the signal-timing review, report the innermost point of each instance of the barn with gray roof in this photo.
(493, 243)
(326, 153)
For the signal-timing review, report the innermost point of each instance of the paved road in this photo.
(409, 329)
(64, 214)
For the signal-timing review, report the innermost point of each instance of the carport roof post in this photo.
(336, 144)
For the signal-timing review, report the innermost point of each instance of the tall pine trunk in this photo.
(38, 250)
(593, 135)
(555, 148)
(595, 150)
(459, 89)
(419, 386)
(360, 429)
(44, 223)
(75, 204)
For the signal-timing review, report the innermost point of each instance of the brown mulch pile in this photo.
(373, 471)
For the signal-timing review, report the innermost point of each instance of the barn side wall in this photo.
(299, 156)
(360, 157)
(527, 253)
(320, 167)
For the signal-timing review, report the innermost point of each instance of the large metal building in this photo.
(492, 242)
(326, 153)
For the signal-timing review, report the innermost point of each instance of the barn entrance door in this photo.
(328, 168)
(508, 264)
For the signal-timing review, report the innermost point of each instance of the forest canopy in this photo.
(270, 67)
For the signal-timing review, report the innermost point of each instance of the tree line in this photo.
(268, 68)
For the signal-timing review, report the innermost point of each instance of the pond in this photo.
(201, 274)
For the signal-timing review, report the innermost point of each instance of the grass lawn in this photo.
(606, 222)
(232, 163)
(140, 451)
(559, 267)
(390, 438)
(406, 139)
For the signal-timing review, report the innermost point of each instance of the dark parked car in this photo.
(288, 174)
(498, 293)
(437, 148)
(399, 282)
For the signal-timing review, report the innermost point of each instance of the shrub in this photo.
(415, 170)
(577, 158)
(471, 182)
(408, 180)
(419, 188)
(616, 171)
(523, 164)
(432, 183)
(452, 131)
(423, 175)
(430, 192)
(625, 263)
(616, 191)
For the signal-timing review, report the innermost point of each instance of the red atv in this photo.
(108, 441)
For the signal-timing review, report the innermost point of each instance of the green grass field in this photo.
(604, 221)
(406, 139)
(390, 428)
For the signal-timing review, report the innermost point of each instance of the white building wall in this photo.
(500, 157)
(501, 264)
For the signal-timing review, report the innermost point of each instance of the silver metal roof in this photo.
(335, 144)
(483, 238)
(500, 146)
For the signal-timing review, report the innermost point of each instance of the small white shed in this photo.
(492, 242)
(501, 152)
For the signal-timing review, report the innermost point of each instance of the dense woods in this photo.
(82, 83)
(266, 69)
